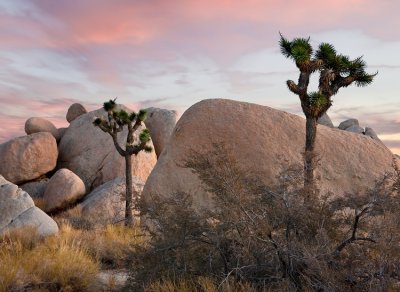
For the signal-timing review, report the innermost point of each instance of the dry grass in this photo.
(69, 261)
(111, 245)
(200, 284)
(30, 263)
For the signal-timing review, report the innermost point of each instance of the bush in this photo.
(272, 238)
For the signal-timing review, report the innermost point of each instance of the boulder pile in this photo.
(60, 168)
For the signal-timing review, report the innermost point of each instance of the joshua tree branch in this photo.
(121, 151)
(293, 87)
(341, 82)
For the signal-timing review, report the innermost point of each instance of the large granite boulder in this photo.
(18, 210)
(36, 125)
(106, 203)
(160, 122)
(90, 153)
(74, 111)
(264, 141)
(64, 188)
(28, 157)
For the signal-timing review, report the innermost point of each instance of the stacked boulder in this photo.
(27, 158)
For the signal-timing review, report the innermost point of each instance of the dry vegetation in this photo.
(257, 238)
(271, 238)
(68, 262)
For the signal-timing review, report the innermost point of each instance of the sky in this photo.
(174, 53)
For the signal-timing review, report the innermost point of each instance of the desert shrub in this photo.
(271, 237)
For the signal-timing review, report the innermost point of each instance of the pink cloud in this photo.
(208, 26)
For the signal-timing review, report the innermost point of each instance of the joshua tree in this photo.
(115, 123)
(336, 71)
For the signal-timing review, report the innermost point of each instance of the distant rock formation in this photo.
(352, 125)
(263, 140)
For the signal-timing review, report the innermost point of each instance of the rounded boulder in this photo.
(63, 189)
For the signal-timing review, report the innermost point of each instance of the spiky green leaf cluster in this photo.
(144, 136)
(299, 49)
(142, 115)
(317, 100)
(364, 79)
(97, 122)
(148, 149)
(132, 116)
(121, 117)
(109, 105)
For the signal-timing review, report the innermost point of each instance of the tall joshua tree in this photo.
(117, 120)
(335, 71)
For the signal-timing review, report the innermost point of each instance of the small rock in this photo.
(74, 111)
(27, 158)
(355, 129)
(348, 123)
(36, 125)
(63, 189)
(325, 120)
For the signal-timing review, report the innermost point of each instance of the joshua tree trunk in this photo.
(309, 155)
(128, 195)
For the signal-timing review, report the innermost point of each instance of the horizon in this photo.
(172, 55)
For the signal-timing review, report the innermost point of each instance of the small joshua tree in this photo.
(117, 120)
(336, 71)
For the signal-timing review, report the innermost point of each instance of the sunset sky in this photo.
(174, 53)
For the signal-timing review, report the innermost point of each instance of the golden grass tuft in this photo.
(44, 264)
(199, 284)
(69, 261)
